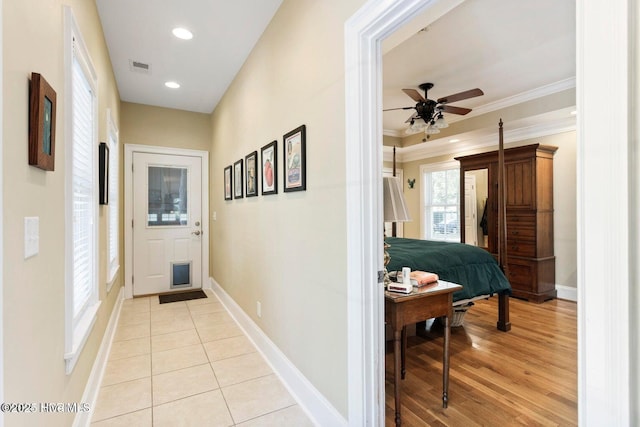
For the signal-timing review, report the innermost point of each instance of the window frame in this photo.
(113, 142)
(78, 328)
(427, 169)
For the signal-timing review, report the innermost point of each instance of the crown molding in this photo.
(520, 98)
(427, 149)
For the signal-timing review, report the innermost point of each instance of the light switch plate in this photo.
(31, 236)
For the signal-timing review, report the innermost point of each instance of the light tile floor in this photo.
(188, 364)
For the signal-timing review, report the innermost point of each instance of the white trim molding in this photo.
(606, 255)
(568, 293)
(129, 149)
(315, 405)
(1, 221)
(364, 32)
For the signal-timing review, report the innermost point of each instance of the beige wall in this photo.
(164, 127)
(564, 199)
(288, 251)
(34, 289)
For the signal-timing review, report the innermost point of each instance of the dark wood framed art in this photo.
(103, 171)
(237, 180)
(251, 174)
(42, 123)
(269, 168)
(228, 183)
(295, 162)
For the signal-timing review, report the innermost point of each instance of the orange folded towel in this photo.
(421, 278)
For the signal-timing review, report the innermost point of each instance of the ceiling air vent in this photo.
(139, 67)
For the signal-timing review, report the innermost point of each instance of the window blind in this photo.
(113, 203)
(82, 189)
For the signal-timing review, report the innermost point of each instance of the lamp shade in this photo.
(395, 207)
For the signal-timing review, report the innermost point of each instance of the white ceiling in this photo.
(512, 50)
(509, 49)
(225, 32)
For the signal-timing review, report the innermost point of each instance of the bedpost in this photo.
(503, 299)
(394, 228)
(503, 313)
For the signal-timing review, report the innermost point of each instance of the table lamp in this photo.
(395, 210)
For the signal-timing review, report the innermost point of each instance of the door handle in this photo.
(197, 232)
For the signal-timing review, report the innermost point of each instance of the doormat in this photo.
(182, 296)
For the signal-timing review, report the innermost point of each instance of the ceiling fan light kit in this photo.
(428, 114)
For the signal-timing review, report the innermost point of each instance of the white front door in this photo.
(167, 223)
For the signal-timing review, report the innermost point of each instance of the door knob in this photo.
(197, 232)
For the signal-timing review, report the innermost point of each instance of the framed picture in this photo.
(237, 179)
(269, 168)
(42, 123)
(251, 166)
(228, 195)
(295, 163)
(103, 171)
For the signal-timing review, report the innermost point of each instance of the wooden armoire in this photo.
(529, 215)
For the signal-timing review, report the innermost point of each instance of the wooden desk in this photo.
(421, 304)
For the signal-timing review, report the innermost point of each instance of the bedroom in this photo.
(535, 106)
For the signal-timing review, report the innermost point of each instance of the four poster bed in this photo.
(480, 274)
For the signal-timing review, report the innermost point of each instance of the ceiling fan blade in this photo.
(400, 108)
(460, 96)
(454, 110)
(414, 94)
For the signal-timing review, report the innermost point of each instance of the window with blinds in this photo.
(83, 143)
(113, 262)
(440, 202)
(81, 240)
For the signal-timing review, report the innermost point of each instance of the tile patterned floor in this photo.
(188, 364)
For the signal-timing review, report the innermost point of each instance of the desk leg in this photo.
(445, 362)
(397, 340)
(404, 352)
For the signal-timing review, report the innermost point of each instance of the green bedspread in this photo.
(472, 267)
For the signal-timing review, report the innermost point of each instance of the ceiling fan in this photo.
(428, 115)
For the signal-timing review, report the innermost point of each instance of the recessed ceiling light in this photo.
(454, 140)
(574, 112)
(182, 33)
(172, 85)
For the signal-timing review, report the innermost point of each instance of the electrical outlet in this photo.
(215, 215)
(259, 309)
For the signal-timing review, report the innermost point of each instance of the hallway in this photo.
(189, 364)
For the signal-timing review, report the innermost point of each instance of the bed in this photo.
(472, 267)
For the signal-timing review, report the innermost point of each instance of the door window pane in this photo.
(167, 196)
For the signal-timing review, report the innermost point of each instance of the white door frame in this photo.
(607, 148)
(129, 150)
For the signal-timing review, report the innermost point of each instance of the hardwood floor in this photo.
(527, 376)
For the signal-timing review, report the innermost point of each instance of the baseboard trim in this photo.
(567, 292)
(316, 406)
(92, 388)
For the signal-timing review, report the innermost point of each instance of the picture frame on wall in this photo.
(269, 168)
(228, 186)
(251, 174)
(42, 123)
(295, 162)
(103, 171)
(237, 180)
